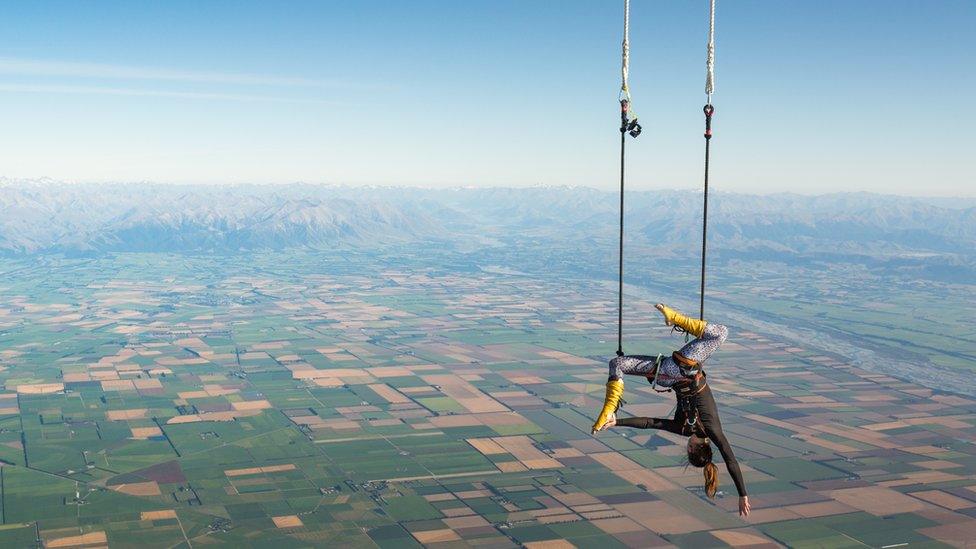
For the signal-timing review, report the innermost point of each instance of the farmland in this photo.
(360, 399)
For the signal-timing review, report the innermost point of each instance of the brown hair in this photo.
(700, 455)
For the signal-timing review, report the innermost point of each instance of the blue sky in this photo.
(811, 96)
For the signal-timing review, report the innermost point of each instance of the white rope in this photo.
(710, 60)
(625, 61)
(657, 370)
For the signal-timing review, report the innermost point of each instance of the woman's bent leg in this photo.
(635, 365)
(701, 348)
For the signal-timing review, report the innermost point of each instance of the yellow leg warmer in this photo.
(615, 390)
(693, 326)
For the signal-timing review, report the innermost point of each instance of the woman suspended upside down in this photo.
(696, 415)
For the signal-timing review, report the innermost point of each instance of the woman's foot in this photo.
(611, 421)
(615, 390)
(664, 311)
(693, 326)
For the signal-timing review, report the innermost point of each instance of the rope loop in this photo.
(625, 51)
(628, 123)
(710, 53)
(624, 95)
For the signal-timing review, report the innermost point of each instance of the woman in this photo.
(696, 415)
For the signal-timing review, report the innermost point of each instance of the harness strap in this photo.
(682, 359)
(689, 367)
(691, 386)
(691, 417)
(694, 380)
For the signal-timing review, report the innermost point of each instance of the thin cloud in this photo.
(100, 90)
(33, 67)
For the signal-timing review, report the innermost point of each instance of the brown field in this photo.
(212, 416)
(389, 393)
(743, 537)
(435, 536)
(39, 388)
(465, 394)
(147, 383)
(521, 447)
(145, 432)
(288, 521)
(75, 377)
(550, 544)
(118, 385)
(119, 415)
(158, 515)
(246, 405)
(82, 540)
(878, 501)
(256, 470)
(149, 488)
(486, 446)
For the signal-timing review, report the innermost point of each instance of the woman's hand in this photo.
(744, 506)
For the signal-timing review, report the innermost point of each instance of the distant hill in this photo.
(108, 218)
(49, 217)
(795, 222)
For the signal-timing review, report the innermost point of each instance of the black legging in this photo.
(710, 426)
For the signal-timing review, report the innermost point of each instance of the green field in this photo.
(289, 400)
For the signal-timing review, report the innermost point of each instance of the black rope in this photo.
(709, 110)
(627, 126)
(624, 107)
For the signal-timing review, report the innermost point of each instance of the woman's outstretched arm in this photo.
(713, 428)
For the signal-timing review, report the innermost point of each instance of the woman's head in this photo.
(700, 455)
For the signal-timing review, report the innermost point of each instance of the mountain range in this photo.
(52, 217)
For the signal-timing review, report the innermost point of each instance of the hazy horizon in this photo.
(41, 181)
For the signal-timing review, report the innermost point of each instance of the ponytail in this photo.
(711, 479)
(700, 455)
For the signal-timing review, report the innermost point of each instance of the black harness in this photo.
(693, 383)
(691, 370)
